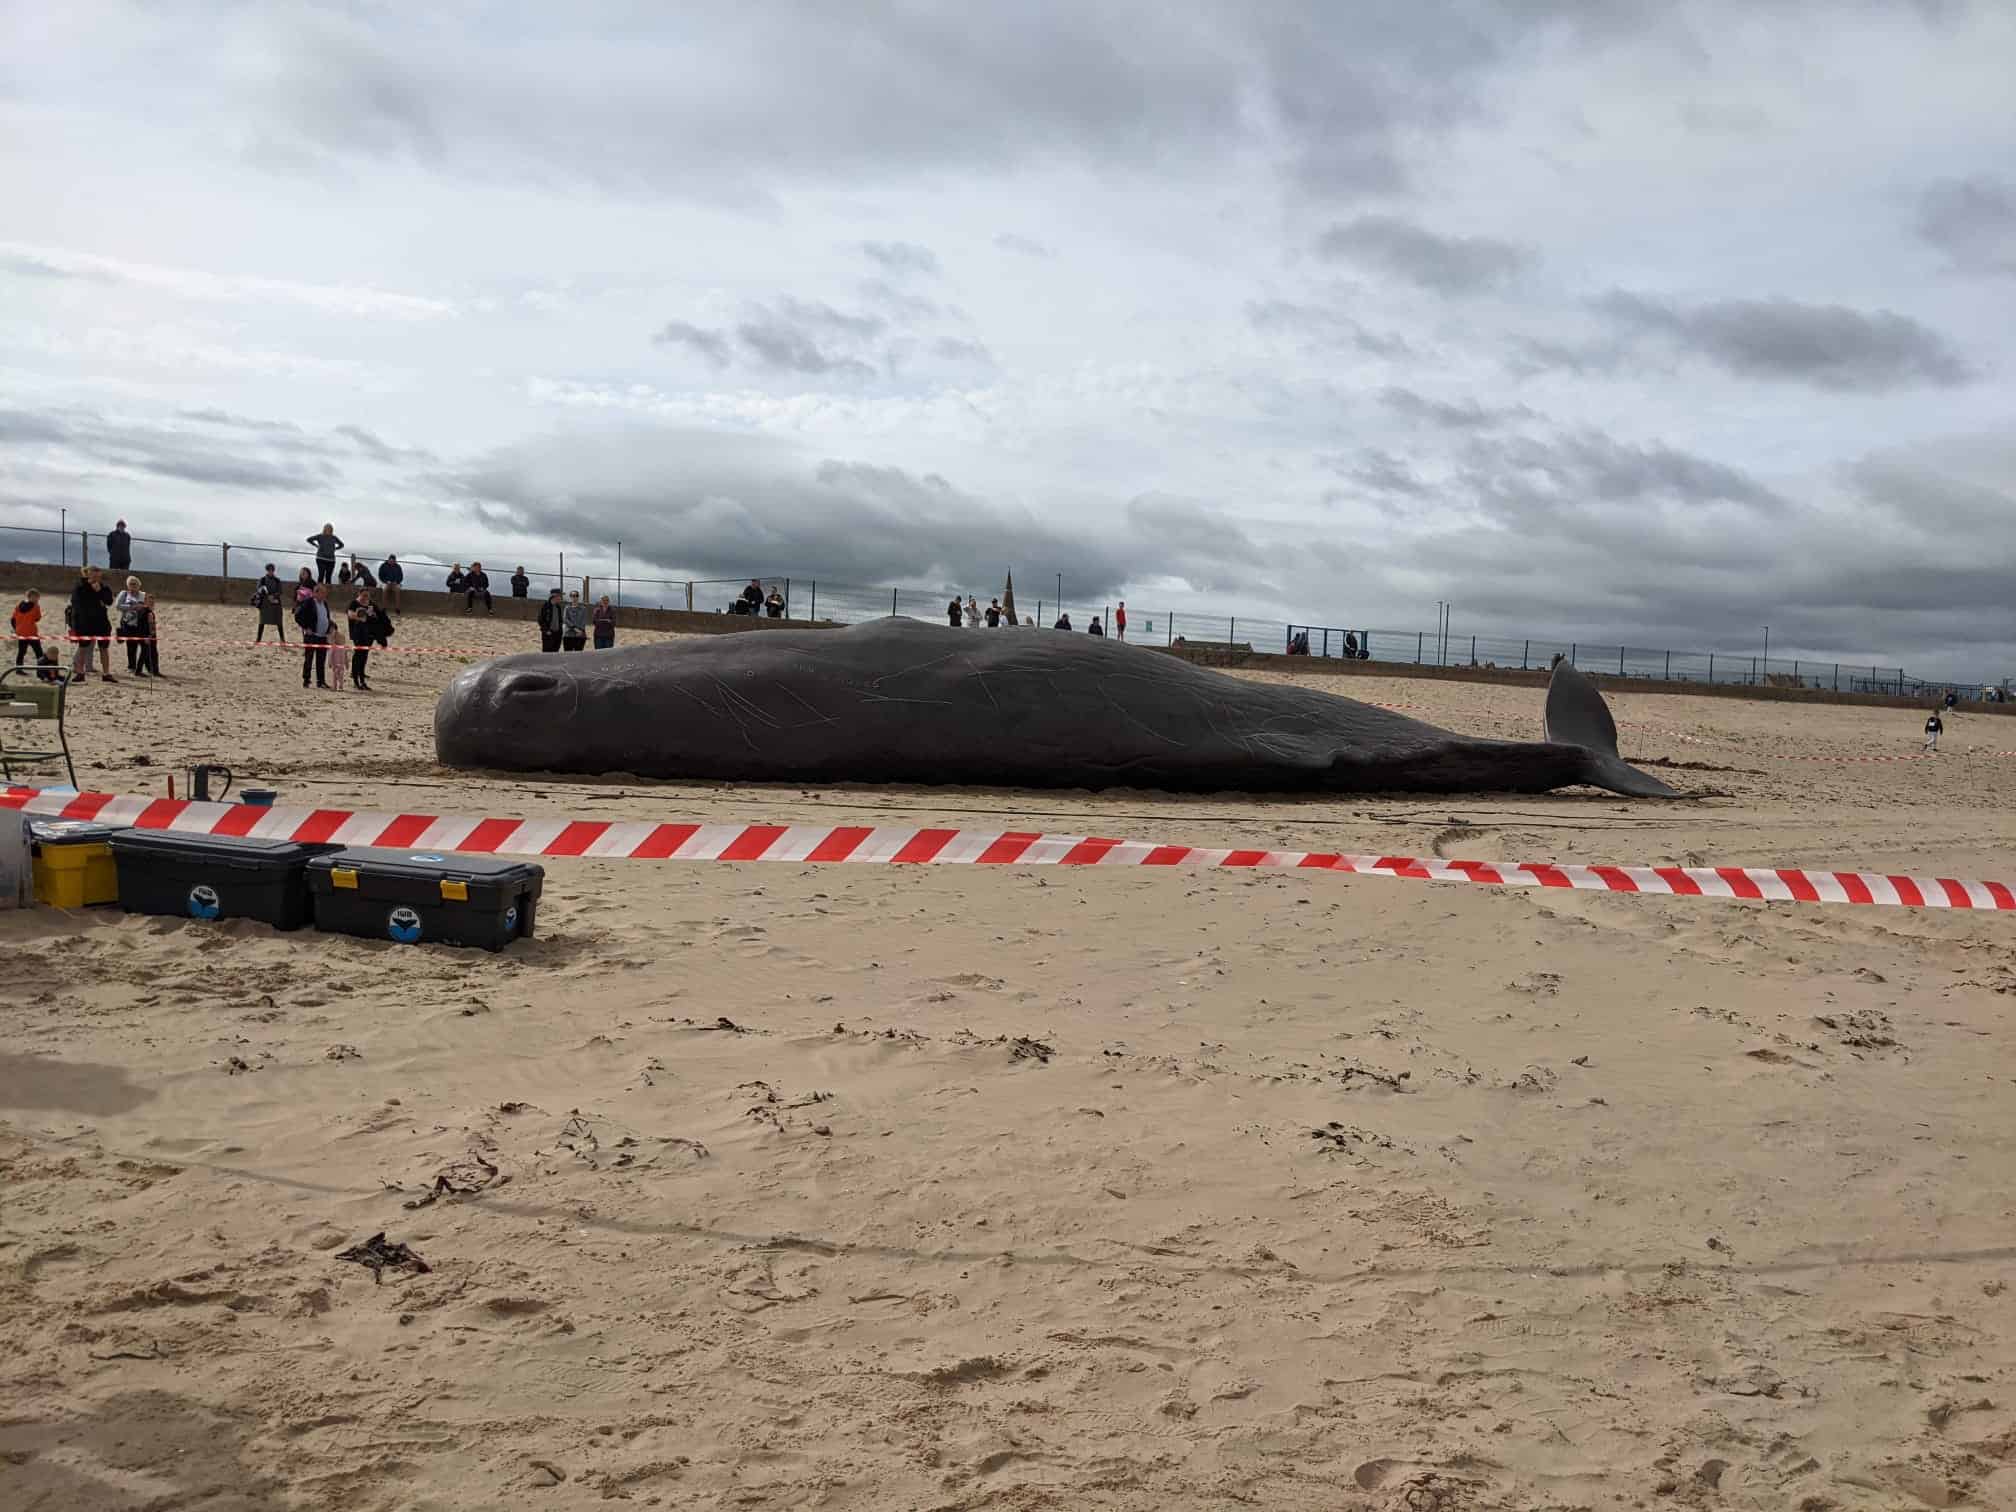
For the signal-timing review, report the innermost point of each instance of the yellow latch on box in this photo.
(454, 892)
(342, 877)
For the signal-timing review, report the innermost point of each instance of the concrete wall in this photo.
(188, 588)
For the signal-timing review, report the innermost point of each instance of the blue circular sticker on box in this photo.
(204, 903)
(511, 920)
(429, 860)
(403, 925)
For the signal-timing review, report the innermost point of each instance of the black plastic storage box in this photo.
(416, 896)
(214, 876)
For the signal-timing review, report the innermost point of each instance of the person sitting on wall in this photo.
(521, 585)
(455, 580)
(1095, 628)
(774, 604)
(475, 585)
(1299, 646)
(1351, 644)
(1063, 622)
(393, 577)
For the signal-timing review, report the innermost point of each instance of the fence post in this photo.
(1572, 649)
(1525, 654)
(1620, 661)
(815, 601)
(224, 578)
(1169, 638)
(1417, 647)
(892, 603)
(84, 548)
(1231, 633)
(1473, 650)
(1711, 668)
(1837, 677)
(787, 598)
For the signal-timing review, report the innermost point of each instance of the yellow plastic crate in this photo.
(73, 866)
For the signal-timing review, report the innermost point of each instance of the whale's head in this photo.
(519, 712)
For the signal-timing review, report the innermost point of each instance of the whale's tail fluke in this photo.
(1577, 715)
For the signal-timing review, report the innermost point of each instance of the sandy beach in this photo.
(787, 1187)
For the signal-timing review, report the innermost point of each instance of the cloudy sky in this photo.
(1609, 319)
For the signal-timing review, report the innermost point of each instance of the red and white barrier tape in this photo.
(895, 845)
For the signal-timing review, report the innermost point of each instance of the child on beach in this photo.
(1933, 728)
(28, 628)
(339, 652)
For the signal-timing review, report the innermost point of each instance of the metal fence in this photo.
(813, 598)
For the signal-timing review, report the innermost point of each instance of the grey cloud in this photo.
(1972, 221)
(901, 258)
(167, 453)
(900, 303)
(1320, 328)
(1401, 249)
(27, 265)
(241, 422)
(380, 450)
(1461, 414)
(956, 349)
(809, 338)
(1376, 471)
(1826, 346)
(1022, 246)
(711, 345)
(711, 504)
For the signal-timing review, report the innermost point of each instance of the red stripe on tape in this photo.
(238, 819)
(1739, 881)
(1548, 876)
(1801, 888)
(840, 843)
(1086, 852)
(1676, 878)
(923, 846)
(489, 835)
(1244, 858)
(1957, 895)
(1167, 855)
(577, 837)
(1007, 848)
(1907, 892)
(663, 841)
(405, 831)
(1853, 885)
(1614, 879)
(751, 843)
(161, 813)
(86, 805)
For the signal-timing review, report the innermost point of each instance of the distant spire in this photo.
(1008, 601)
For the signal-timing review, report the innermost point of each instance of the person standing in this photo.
(131, 608)
(605, 624)
(1933, 729)
(304, 587)
(521, 585)
(268, 598)
(993, 613)
(955, 612)
(150, 648)
(752, 597)
(91, 625)
(552, 621)
(1095, 628)
(574, 619)
(118, 548)
(391, 576)
(326, 543)
(475, 585)
(339, 662)
(972, 612)
(312, 615)
(28, 627)
(774, 604)
(1120, 621)
(370, 626)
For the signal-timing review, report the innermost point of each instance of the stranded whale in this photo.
(898, 700)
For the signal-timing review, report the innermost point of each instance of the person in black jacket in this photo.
(312, 615)
(453, 582)
(391, 575)
(269, 598)
(552, 620)
(521, 585)
(369, 626)
(475, 585)
(91, 624)
(326, 543)
(118, 548)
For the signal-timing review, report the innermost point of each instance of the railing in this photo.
(813, 598)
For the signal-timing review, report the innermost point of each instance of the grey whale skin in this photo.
(900, 700)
